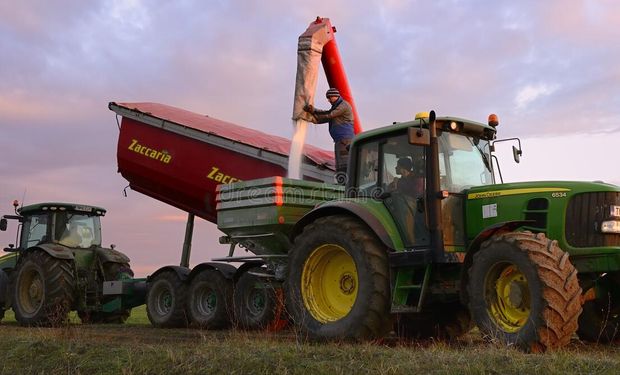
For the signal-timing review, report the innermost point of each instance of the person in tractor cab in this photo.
(408, 183)
(340, 119)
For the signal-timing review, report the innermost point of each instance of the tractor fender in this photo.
(474, 246)
(111, 256)
(227, 270)
(392, 241)
(54, 250)
(8, 262)
(181, 272)
(4, 289)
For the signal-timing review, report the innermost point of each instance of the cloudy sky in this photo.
(549, 69)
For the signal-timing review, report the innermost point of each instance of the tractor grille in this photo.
(584, 215)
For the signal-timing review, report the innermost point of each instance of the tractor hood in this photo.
(550, 189)
(571, 212)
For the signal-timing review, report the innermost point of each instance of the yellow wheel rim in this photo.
(329, 283)
(508, 297)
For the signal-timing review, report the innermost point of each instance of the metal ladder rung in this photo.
(416, 286)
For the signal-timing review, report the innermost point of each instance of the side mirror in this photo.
(3, 223)
(516, 153)
(418, 136)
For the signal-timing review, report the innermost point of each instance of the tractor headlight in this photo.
(611, 226)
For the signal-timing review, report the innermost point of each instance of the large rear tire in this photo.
(209, 302)
(112, 272)
(256, 302)
(600, 319)
(44, 289)
(338, 284)
(523, 291)
(165, 301)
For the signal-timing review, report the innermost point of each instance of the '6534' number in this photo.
(558, 195)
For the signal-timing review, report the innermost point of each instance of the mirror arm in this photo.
(505, 140)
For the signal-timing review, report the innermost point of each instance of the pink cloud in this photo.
(176, 218)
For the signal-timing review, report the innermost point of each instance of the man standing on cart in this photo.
(340, 119)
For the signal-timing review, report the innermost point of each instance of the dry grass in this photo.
(136, 348)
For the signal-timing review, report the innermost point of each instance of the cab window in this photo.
(34, 230)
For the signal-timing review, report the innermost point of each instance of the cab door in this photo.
(403, 196)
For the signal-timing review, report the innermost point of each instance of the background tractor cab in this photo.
(73, 226)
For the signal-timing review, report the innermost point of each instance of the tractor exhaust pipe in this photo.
(434, 194)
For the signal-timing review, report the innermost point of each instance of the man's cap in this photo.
(405, 163)
(332, 93)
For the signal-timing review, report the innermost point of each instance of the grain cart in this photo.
(180, 157)
(529, 263)
(59, 265)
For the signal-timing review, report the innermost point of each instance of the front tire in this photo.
(524, 291)
(44, 289)
(338, 284)
(165, 301)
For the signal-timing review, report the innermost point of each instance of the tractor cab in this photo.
(393, 164)
(70, 225)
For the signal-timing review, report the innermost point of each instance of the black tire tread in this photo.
(560, 287)
(242, 316)
(179, 317)
(60, 285)
(222, 318)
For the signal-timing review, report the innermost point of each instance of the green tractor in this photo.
(424, 242)
(59, 266)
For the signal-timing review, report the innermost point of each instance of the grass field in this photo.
(138, 348)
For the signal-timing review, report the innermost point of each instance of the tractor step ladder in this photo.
(405, 288)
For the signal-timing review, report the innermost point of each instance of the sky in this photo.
(550, 70)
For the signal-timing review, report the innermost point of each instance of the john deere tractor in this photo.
(425, 242)
(59, 265)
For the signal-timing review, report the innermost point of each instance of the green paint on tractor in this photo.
(452, 249)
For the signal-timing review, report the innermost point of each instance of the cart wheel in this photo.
(257, 305)
(210, 300)
(165, 301)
